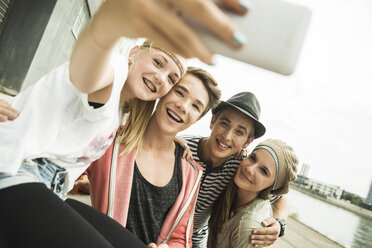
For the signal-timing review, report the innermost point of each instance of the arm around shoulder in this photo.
(250, 220)
(281, 208)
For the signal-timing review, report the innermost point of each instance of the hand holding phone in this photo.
(275, 32)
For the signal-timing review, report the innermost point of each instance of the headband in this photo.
(273, 154)
(149, 44)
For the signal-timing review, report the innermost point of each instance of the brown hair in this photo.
(225, 203)
(214, 93)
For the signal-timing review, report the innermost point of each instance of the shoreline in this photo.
(342, 204)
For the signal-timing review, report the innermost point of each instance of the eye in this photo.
(239, 132)
(178, 92)
(196, 107)
(172, 80)
(224, 124)
(264, 171)
(158, 63)
(252, 158)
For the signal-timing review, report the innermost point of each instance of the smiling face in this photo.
(152, 73)
(182, 106)
(256, 172)
(230, 133)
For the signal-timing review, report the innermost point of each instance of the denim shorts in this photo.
(37, 170)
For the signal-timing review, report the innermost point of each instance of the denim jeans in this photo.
(37, 170)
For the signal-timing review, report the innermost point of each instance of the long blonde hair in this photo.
(136, 123)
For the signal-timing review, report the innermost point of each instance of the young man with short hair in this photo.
(234, 125)
(152, 191)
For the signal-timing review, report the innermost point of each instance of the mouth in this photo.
(244, 177)
(174, 116)
(149, 85)
(222, 146)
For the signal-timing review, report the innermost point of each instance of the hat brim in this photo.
(259, 130)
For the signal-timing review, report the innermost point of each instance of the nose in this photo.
(227, 135)
(160, 79)
(248, 167)
(249, 170)
(182, 105)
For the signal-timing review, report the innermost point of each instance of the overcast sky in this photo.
(324, 109)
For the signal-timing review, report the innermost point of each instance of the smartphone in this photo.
(275, 32)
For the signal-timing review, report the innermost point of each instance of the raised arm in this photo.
(89, 64)
(156, 20)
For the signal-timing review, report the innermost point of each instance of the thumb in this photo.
(268, 222)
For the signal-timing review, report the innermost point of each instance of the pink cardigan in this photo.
(178, 226)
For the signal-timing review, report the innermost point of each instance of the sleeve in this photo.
(242, 231)
(250, 220)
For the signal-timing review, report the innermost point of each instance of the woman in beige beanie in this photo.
(268, 170)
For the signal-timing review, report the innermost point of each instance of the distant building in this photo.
(304, 170)
(369, 196)
(318, 187)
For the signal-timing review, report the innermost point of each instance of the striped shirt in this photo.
(213, 182)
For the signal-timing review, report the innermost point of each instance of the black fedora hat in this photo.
(247, 103)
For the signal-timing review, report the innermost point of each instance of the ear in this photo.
(213, 119)
(246, 144)
(133, 52)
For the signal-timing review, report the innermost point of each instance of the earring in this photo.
(130, 61)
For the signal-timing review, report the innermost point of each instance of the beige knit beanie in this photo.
(286, 161)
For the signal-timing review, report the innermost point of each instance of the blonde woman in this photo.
(68, 119)
(70, 116)
(268, 170)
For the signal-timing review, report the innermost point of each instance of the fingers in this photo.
(213, 18)
(151, 245)
(240, 7)
(7, 112)
(175, 34)
(187, 152)
(262, 243)
(82, 185)
(272, 228)
(269, 222)
(262, 240)
(266, 236)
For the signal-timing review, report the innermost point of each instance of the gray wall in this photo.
(22, 30)
(49, 43)
(58, 40)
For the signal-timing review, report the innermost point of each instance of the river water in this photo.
(342, 226)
